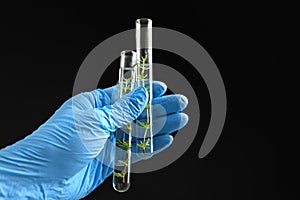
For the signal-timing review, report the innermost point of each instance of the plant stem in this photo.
(147, 117)
(145, 134)
(127, 157)
(125, 88)
(147, 109)
(143, 68)
(125, 162)
(124, 170)
(143, 71)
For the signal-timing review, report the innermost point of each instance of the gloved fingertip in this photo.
(162, 84)
(168, 139)
(162, 142)
(183, 101)
(159, 88)
(184, 120)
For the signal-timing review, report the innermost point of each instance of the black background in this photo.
(43, 44)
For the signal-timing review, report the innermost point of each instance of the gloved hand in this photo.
(72, 153)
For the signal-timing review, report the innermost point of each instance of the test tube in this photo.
(144, 143)
(122, 161)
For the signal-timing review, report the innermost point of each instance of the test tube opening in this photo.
(128, 59)
(143, 22)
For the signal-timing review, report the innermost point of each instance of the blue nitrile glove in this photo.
(72, 153)
(166, 116)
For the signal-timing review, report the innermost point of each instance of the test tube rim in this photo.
(143, 23)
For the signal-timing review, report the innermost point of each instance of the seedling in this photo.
(140, 66)
(125, 86)
(121, 174)
(123, 144)
(143, 73)
(144, 144)
(127, 80)
(143, 68)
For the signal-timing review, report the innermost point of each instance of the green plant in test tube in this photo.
(122, 161)
(144, 78)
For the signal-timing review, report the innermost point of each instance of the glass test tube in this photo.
(122, 161)
(144, 71)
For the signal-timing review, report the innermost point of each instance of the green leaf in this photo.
(144, 144)
(142, 76)
(120, 174)
(142, 66)
(147, 106)
(123, 144)
(123, 162)
(127, 80)
(128, 126)
(148, 88)
(124, 88)
(144, 58)
(146, 125)
(148, 142)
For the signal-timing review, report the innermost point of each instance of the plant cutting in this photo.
(144, 78)
(122, 161)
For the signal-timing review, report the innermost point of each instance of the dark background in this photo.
(42, 45)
